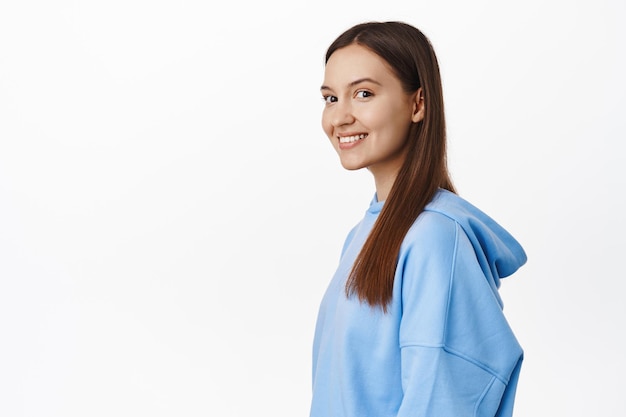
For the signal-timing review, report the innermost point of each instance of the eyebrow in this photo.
(355, 82)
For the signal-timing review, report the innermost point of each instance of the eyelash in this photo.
(333, 99)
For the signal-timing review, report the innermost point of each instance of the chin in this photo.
(352, 165)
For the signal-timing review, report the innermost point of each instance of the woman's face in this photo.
(367, 113)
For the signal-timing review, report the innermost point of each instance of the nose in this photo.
(342, 113)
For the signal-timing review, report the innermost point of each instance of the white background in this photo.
(171, 211)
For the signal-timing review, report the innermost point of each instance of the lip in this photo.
(349, 145)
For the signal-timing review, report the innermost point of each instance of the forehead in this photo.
(354, 62)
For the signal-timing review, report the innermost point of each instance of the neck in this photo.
(383, 186)
(385, 174)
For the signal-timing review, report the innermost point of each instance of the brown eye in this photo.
(329, 99)
(363, 94)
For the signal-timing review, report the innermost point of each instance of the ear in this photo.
(419, 107)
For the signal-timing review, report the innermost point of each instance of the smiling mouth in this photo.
(353, 138)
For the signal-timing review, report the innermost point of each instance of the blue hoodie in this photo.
(444, 347)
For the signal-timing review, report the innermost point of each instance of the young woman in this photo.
(411, 324)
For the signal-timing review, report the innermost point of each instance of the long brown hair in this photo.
(412, 58)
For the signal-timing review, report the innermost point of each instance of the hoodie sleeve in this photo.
(458, 355)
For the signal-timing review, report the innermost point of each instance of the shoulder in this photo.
(434, 236)
(441, 231)
(432, 229)
(454, 207)
(442, 216)
(429, 249)
(441, 221)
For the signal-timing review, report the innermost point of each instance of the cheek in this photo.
(400, 122)
(326, 125)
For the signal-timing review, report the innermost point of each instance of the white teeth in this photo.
(350, 139)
